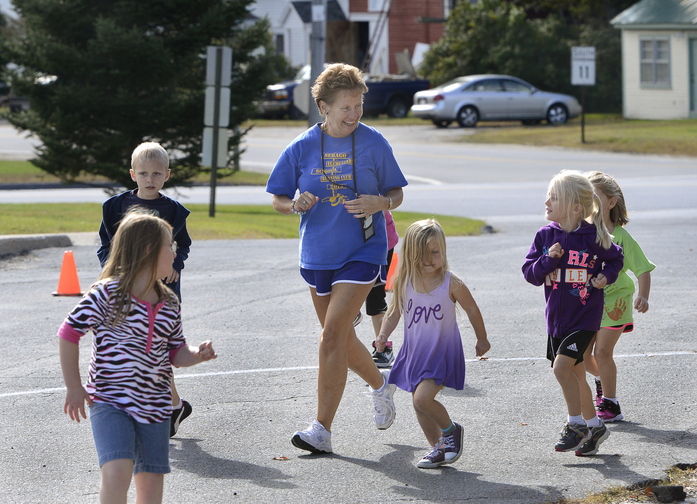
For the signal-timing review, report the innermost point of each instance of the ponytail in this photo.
(603, 236)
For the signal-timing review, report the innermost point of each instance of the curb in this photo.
(20, 244)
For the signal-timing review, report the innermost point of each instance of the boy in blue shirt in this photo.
(150, 170)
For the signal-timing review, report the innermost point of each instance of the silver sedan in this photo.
(475, 98)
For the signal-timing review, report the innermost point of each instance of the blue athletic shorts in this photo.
(356, 272)
(117, 435)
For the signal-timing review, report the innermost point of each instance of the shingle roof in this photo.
(658, 14)
(334, 12)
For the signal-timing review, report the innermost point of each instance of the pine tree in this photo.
(103, 76)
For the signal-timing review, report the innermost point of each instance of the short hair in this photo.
(149, 151)
(611, 189)
(337, 77)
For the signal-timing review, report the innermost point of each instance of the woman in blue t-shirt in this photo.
(340, 176)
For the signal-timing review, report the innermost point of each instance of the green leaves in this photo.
(128, 71)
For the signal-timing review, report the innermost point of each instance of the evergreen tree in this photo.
(103, 76)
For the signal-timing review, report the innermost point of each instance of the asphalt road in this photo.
(249, 298)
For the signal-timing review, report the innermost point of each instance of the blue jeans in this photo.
(118, 436)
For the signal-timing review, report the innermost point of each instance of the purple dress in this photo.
(432, 347)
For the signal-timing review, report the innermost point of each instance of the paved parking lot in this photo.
(248, 297)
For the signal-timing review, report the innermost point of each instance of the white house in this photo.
(291, 24)
(659, 59)
(366, 33)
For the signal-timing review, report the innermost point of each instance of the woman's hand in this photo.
(367, 204)
(304, 202)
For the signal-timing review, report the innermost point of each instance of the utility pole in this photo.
(317, 53)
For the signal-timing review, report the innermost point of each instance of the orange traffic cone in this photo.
(389, 284)
(68, 284)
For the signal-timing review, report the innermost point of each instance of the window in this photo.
(516, 87)
(655, 62)
(279, 40)
(486, 85)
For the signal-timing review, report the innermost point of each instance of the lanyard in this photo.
(366, 222)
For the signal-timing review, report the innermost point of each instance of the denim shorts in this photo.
(117, 435)
(356, 272)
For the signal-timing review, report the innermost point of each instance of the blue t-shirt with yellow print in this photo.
(330, 236)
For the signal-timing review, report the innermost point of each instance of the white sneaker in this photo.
(383, 406)
(315, 439)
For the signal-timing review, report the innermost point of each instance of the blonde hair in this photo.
(611, 189)
(414, 252)
(571, 187)
(337, 77)
(149, 151)
(135, 247)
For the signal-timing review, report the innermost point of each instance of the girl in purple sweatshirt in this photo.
(574, 258)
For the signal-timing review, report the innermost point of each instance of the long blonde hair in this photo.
(611, 189)
(571, 187)
(135, 247)
(413, 254)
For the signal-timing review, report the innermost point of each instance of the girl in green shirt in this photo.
(617, 318)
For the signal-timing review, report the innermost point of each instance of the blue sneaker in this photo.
(434, 458)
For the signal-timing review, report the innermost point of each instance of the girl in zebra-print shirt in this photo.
(136, 322)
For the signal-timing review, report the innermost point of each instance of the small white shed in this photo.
(659, 59)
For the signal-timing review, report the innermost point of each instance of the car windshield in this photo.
(303, 74)
(454, 84)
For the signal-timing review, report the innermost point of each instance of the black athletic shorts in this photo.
(572, 345)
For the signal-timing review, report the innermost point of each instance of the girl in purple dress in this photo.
(431, 356)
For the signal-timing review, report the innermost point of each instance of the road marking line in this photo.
(308, 368)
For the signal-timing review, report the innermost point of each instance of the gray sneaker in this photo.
(383, 406)
(572, 437)
(315, 439)
(590, 447)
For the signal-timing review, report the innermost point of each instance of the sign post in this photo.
(216, 117)
(317, 54)
(583, 74)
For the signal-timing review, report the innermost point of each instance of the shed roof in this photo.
(658, 14)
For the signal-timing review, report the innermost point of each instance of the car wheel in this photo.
(557, 114)
(467, 116)
(397, 107)
(441, 123)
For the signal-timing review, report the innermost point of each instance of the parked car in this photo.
(475, 98)
(387, 94)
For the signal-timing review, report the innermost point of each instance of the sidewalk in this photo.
(20, 244)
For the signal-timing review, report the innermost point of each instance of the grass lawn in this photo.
(605, 132)
(602, 132)
(230, 221)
